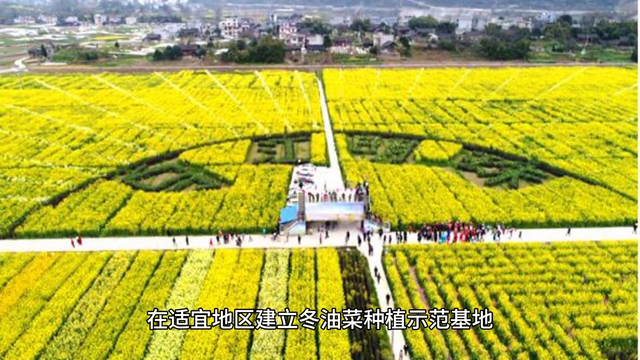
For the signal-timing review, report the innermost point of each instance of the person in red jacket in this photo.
(79, 240)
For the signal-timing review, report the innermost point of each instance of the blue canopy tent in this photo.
(288, 214)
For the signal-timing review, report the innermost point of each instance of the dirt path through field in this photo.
(309, 68)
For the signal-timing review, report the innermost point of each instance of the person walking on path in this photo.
(635, 227)
(388, 299)
(210, 243)
(79, 240)
(375, 271)
(73, 243)
(406, 349)
(174, 242)
(568, 232)
(299, 239)
(370, 250)
(359, 240)
(186, 240)
(346, 240)
(378, 277)
(320, 238)
(401, 352)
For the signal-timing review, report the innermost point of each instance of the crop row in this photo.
(417, 195)
(232, 152)
(94, 305)
(568, 308)
(319, 149)
(110, 120)
(112, 208)
(268, 344)
(580, 120)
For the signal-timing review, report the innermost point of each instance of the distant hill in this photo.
(549, 5)
(552, 5)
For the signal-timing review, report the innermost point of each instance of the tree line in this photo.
(263, 50)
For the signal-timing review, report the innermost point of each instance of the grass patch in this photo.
(280, 150)
(382, 149)
(494, 171)
(479, 167)
(172, 175)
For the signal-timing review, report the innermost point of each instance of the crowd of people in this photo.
(356, 194)
(453, 232)
(348, 195)
(220, 239)
(448, 232)
(77, 240)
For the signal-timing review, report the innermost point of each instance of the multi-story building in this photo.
(246, 24)
(230, 27)
(470, 23)
(286, 29)
(295, 40)
(479, 23)
(508, 23)
(465, 23)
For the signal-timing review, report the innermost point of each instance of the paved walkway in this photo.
(336, 239)
(177, 66)
(334, 173)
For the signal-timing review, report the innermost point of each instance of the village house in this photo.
(230, 28)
